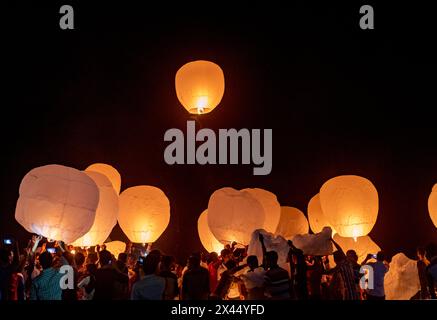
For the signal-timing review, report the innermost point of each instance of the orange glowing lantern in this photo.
(209, 242)
(271, 206)
(106, 213)
(233, 215)
(292, 222)
(110, 172)
(316, 217)
(350, 204)
(432, 205)
(116, 247)
(200, 86)
(57, 202)
(144, 213)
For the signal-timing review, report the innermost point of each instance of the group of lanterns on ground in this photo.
(82, 207)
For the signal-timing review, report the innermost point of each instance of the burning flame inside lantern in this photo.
(201, 104)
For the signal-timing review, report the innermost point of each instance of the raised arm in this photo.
(337, 246)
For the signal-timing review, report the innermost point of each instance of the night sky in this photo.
(340, 100)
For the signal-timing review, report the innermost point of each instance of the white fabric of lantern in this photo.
(233, 215)
(144, 213)
(110, 172)
(432, 205)
(401, 282)
(271, 206)
(316, 217)
(57, 202)
(318, 244)
(116, 247)
(106, 213)
(272, 243)
(209, 242)
(292, 222)
(350, 203)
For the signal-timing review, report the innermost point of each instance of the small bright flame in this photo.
(201, 104)
(73, 251)
(355, 234)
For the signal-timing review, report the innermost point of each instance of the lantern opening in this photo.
(201, 104)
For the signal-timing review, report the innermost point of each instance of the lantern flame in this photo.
(201, 104)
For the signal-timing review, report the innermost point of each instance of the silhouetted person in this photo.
(46, 286)
(195, 282)
(254, 279)
(277, 282)
(107, 278)
(171, 280)
(152, 286)
(422, 264)
(298, 269)
(380, 268)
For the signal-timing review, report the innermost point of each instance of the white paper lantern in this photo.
(432, 205)
(144, 213)
(209, 242)
(110, 172)
(350, 203)
(292, 222)
(316, 217)
(401, 282)
(106, 213)
(271, 206)
(57, 202)
(115, 247)
(233, 215)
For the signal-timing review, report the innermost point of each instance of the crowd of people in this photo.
(141, 273)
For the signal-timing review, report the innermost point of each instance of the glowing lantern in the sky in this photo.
(432, 205)
(350, 203)
(271, 206)
(115, 247)
(144, 213)
(292, 222)
(316, 217)
(233, 215)
(209, 242)
(110, 172)
(106, 213)
(57, 202)
(200, 86)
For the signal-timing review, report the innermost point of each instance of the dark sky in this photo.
(340, 100)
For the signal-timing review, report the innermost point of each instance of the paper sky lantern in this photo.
(271, 206)
(144, 213)
(209, 242)
(316, 217)
(110, 172)
(432, 205)
(292, 222)
(106, 213)
(57, 202)
(362, 246)
(200, 86)
(233, 215)
(350, 203)
(318, 244)
(115, 247)
(401, 282)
